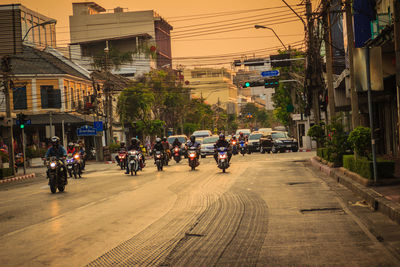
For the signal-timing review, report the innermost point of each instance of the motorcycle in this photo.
(73, 165)
(223, 162)
(159, 160)
(234, 147)
(192, 155)
(122, 159)
(177, 154)
(56, 174)
(134, 161)
(243, 147)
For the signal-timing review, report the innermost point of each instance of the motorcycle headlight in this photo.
(53, 165)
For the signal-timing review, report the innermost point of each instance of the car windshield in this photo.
(210, 140)
(180, 138)
(279, 135)
(255, 136)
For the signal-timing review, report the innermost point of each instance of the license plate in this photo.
(222, 160)
(288, 145)
(132, 162)
(69, 167)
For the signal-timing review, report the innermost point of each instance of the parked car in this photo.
(207, 147)
(278, 141)
(253, 143)
(202, 133)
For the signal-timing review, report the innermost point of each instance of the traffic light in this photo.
(246, 84)
(271, 83)
(281, 60)
(22, 120)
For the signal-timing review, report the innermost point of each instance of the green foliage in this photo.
(4, 156)
(114, 147)
(317, 133)
(323, 153)
(35, 152)
(115, 58)
(282, 96)
(189, 128)
(199, 113)
(360, 141)
(336, 142)
(5, 172)
(364, 167)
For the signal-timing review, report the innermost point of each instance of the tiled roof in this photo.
(35, 61)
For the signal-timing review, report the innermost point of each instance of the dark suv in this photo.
(278, 141)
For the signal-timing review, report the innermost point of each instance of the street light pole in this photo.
(37, 25)
(265, 27)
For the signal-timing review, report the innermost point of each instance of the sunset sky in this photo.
(193, 21)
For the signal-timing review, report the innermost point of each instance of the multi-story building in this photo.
(144, 34)
(43, 84)
(215, 86)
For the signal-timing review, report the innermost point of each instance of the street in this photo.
(267, 210)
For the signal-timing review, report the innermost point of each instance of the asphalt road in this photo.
(267, 210)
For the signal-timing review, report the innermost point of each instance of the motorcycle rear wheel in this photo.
(61, 188)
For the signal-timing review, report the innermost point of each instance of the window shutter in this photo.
(19, 98)
(44, 97)
(56, 98)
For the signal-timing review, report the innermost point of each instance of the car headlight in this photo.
(278, 142)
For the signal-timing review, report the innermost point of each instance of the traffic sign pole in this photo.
(24, 149)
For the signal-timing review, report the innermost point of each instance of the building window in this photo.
(51, 98)
(19, 98)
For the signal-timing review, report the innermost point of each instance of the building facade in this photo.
(215, 86)
(143, 34)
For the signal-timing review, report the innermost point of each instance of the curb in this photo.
(375, 200)
(18, 178)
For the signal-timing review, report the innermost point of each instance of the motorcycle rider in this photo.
(82, 152)
(58, 151)
(135, 145)
(165, 144)
(242, 137)
(121, 149)
(222, 143)
(193, 143)
(71, 148)
(158, 146)
(176, 143)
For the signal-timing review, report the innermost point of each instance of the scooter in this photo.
(133, 161)
(243, 147)
(192, 155)
(122, 159)
(159, 160)
(234, 147)
(223, 162)
(177, 154)
(73, 165)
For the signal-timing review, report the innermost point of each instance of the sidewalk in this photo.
(384, 199)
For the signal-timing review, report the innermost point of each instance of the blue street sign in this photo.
(86, 131)
(98, 125)
(270, 73)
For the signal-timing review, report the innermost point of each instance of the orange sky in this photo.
(234, 42)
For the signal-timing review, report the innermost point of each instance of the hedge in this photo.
(5, 172)
(323, 153)
(364, 167)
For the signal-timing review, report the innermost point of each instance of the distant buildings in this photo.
(215, 86)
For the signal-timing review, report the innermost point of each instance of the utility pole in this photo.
(6, 68)
(355, 118)
(396, 22)
(328, 51)
(311, 63)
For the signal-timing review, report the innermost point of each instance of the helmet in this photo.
(70, 144)
(77, 145)
(134, 141)
(176, 140)
(192, 138)
(222, 137)
(122, 144)
(55, 140)
(158, 140)
(164, 139)
(240, 133)
(234, 137)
